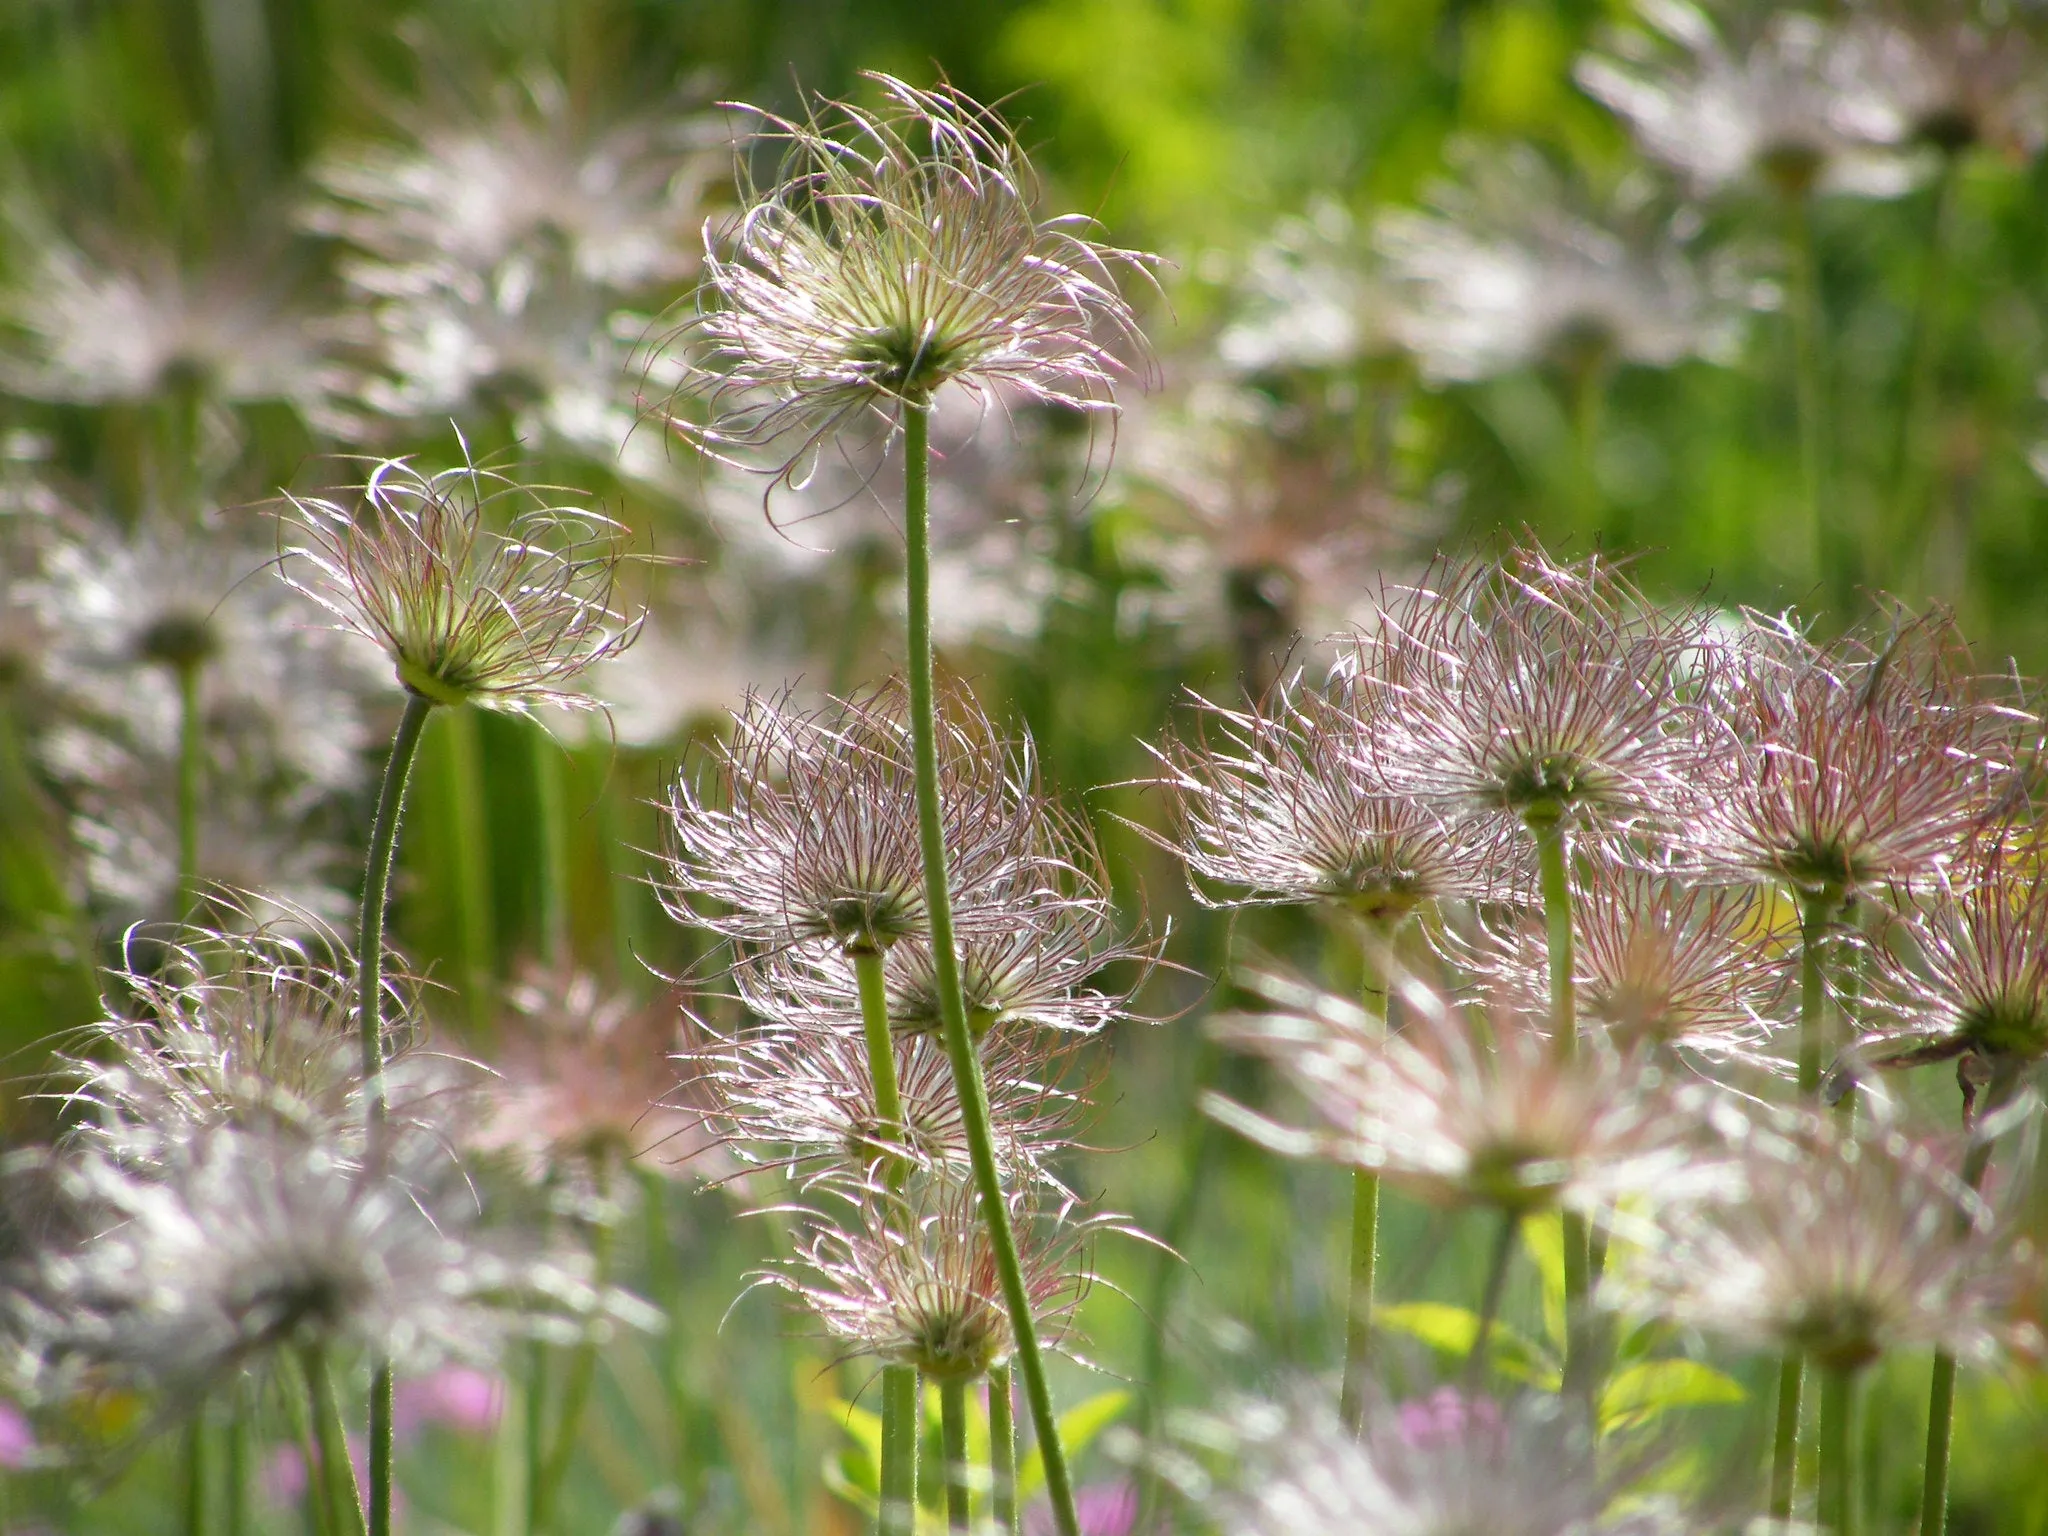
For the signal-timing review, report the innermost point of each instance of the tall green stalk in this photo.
(191, 760)
(899, 1382)
(370, 1019)
(1489, 1302)
(1816, 911)
(953, 1440)
(194, 1511)
(961, 1051)
(235, 1473)
(1836, 1507)
(1554, 867)
(551, 802)
(1911, 455)
(1365, 1218)
(1002, 1450)
(318, 1513)
(1941, 1387)
(665, 1278)
(337, 1477)
(475, 922)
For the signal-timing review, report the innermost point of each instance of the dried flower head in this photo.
(912, 1279)
(582, 1080)
(1458, 1119)
(464, 611)
(1786, 106)
(1841, 1244)
(1961, 76)
(1533, 690)
(898, 250)
(1976, 982)
(1657, 962)
(1451, 1465)
(246, 1243)
(1286, 803)
(1847, 766)
(1510, 267)
(253, 1031)
(799, 1095)
(818, 836)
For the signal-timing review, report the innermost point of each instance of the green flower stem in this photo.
(953, 1438)
(466, 803)
(1785, 1434)
(344, 1500)
(550, 801)
(236, 1493)
(370, 1019)
(1554, 866)
(1002, 1449)
(1837, 1506)
(319, 1516)
(191, 760)
(899, 1382)
(1365, 1216)
(1941, 1387)
(582, 1365)
(960, 1046)
(1809, 379)
(899, 1451)
(623, 886)
(1489, 1302)
(535, 1430)
(665, 1277)
(194, 1511)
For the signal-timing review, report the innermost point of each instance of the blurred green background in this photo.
(1258, 485)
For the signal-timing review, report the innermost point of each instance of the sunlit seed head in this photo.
(475, 585)
(897, 251)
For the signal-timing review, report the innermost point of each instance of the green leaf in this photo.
(862, 1426)
(1639, 1393)
(1078, 1425)
(1450, 1331)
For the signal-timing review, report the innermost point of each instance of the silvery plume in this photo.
(1964, 76)
(1843, 1243)
(1282, 804)
(477, 586)
(897, 251)
(126, 318)
(128, 611)
(251, 1029)
(911, 1279)
(1533, 690)
(1451, 1464)
(242, 1243)
(1841, 768)
(793, 1090)
(1467, 1109)
(1305, 297)
(1260, 524)
(1780, 102)
(1511, 265)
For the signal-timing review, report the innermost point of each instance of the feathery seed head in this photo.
(1844, 1244)
(1439, 1111)
(1847, 766)
(1532, 690)
(1286, 804)
(466, 611)
(897, 251)
(912, 1279)
(818, 837)
(1960, 77)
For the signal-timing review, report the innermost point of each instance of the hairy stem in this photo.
(665, 1278)
(1941, 1387)
(1837, 1505)
(1554, 865)
(319, 1514)
(1785, 1434)
(1911, 461)
(1002, 1449)
(1489, 1301)
(370, 1019)
(535, 1429)
(466, 805)
(582, 1365)
(953, 1441)
(236, 1471)
(961, 1052)
(191, 759)
(338, 1477)
(194, 1511)
(1365, 1214)
(899, 1382)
